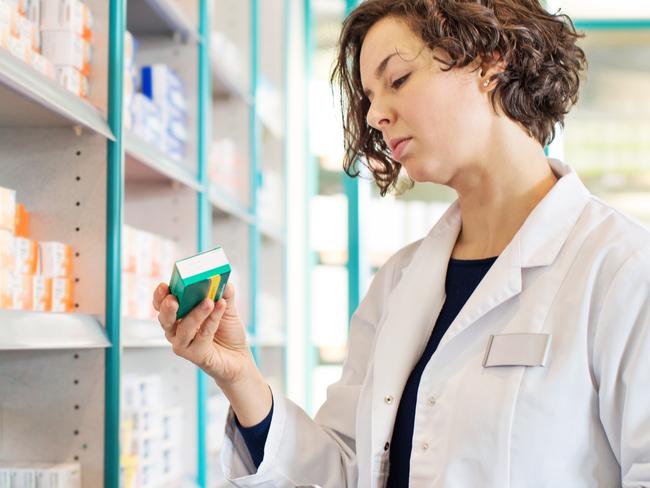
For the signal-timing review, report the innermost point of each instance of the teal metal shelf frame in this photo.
(115, 213)
(114, 222)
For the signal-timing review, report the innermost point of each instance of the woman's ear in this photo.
(489, 68)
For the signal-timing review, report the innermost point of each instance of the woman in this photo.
(508, 348)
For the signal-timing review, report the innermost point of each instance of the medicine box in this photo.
(65, 48)
(62, 295)
(55, 260)
(41, 294)
(7, 209)
(7, 250)
(26, 255)
(72, 16)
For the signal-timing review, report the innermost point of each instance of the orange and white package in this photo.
(143, 296)
(62, 293)
(22, 221)
(164, 258)
(43, 65)
(23, 28)
(7, 251)
(70, 79)
(128, 249)
(20, 6)
(7, 19)
(87, 31)
(6, 289)
(21, 49)
(153, 283)
(67, 49)
(41, 293)
(55, 260)
(136, 296)
(5, 32)
(143, 252)
(7, 209)
(22, 291)
(129, 306)
(26, 256)
(67, 15)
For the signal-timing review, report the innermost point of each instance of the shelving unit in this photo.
(99, 178)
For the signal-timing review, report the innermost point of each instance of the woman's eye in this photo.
(399, 82)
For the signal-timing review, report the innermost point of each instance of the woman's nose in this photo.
(378, 116)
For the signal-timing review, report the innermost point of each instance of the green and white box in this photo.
(198, 277)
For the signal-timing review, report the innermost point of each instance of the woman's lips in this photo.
(400, 148)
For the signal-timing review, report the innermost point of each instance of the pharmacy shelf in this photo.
(223, 84)
(228, 204)
(159, 18)
(272, 232)
(138, 333)
(49, 331)
(154, 164)
(41, 102)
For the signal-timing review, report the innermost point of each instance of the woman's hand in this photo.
(211, 336)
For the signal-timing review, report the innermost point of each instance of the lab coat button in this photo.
(388, 399)
(386, 446)
(425, 446)
(431, 401)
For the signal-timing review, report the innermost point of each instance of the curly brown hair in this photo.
(538, 87)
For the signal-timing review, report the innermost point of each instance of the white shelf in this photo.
(229, 205)
(223, 84)
(159, 17)
(30, 99)
(272, 232)
(137, 333)
(21, 330)
(155, 164)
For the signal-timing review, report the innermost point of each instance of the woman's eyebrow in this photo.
(380, 70)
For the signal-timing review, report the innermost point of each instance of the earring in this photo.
(486, 83)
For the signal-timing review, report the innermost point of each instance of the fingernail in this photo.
(206, 304)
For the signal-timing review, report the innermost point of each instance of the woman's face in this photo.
(445, 116)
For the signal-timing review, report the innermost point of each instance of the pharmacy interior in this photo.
(134, 133)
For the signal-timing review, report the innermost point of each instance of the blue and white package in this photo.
(166, 89)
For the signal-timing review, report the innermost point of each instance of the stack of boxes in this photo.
(40, 475)
(152, 435)
(60, 29)
(165, 88)
(147, 260)
(66, 29)
(158, 113)
(33, 275)
(20, 33)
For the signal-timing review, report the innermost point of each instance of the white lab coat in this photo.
(577, 269)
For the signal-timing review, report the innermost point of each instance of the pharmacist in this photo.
(510, 347)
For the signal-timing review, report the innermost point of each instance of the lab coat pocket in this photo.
(522, 349)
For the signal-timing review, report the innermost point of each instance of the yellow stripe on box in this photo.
(214, 286)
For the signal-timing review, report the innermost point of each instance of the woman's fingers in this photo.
(211, 324)
(189, 326)
(161, 291)
(167, 313)
(228, 291)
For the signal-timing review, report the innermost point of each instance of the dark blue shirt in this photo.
(463, 276)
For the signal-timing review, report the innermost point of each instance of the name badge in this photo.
(517, 350)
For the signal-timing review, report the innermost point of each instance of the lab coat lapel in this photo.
(537, 243)
(412, 308)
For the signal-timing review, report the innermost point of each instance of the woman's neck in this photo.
(497, 195)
